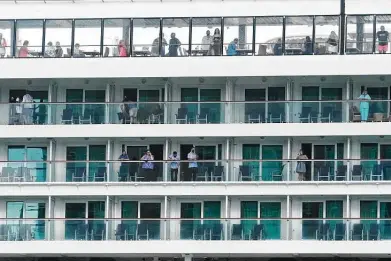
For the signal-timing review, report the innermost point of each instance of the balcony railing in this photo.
(197, 112)
(336, 229)
(215, 171)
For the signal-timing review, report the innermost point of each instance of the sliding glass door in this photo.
(271, 152)
(252, 152)
(271, 210)
(369, 153)
(189, 211)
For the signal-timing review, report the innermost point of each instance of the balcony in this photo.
(198, 171)
(339, 229)
(219, 112)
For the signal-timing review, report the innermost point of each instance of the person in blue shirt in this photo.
(174, 165)
(277, 49)
(124, 156)
(364, 105)
(231, 50)
(147, 166)
(307, 45)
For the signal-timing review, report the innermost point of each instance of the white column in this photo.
(165, 164)
(229, 85)
(165, 218)
(107, 105)
(50, 99)
(348, 156)
(188, 257)
(109, 165)
(50, 222)
(288, 107)
(167, 88)
(288, 220)
(348, 214)
(347, 104)
(226, 222)
(107, 217)
(289, 163)
(51, 163)
(227, 158)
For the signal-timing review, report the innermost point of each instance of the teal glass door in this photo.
(146, 109)
(248, 211)
(334, 210)
(369, 153)
(276, 110)
(368, 211)
(271, 210)
(206, 153)
(77, 212)
(37, 170)
(324, 152)
(97, 111)
(310, 98)
(149, 212)
(385, 225)
(129, 210)
(212, 110)
(190, 95)
(28, 161)
(74, 100)
(385, 156)
(96, 210)
(251, 152)
(96, 153)
(189, 211)
(378, 93)
(37, 227)
(331, 104)
(312, 212)
(256, 104)
(271, 152)
(75, 168)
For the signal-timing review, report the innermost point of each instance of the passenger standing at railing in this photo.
(28, 108)
(383, 38)
(174, 165)
(332, 43)
(364, 105)
(3, 45)
(307, 45)
(24, 50)
(277, 49)
(193, 166)
(122, 49)
(301, 167)
(58, 52)
(216, 44)
(50, 51)
(173, 46)
(123, 156)
(155, 46)
(207, 41)
(18, 109)
(147, 166)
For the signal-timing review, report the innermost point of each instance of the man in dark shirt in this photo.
(382, 37)
(277, 49)
(173, 46)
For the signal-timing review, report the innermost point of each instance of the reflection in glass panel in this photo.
(87, 38)
(29, 38)
(238, 36)
(326, 34)
(383, 25)
(359, 34)
(177, 32)
(6, 38)
(268, 35)
(206, 36)
(116, 37)
(146, 38)
(298, 35)
(58, 37)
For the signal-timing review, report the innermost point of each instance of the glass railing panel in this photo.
(26, 171)
(258, 229)
(81, 171)
(80, 229)
(197, 229)
(137, 112)
(196, 112)
(79, 113)
(259, 170)
(365, 110)
(137, 171)
(320, 229)
(23, 229)
(137, 229)
(197, 171)
(317, 111)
